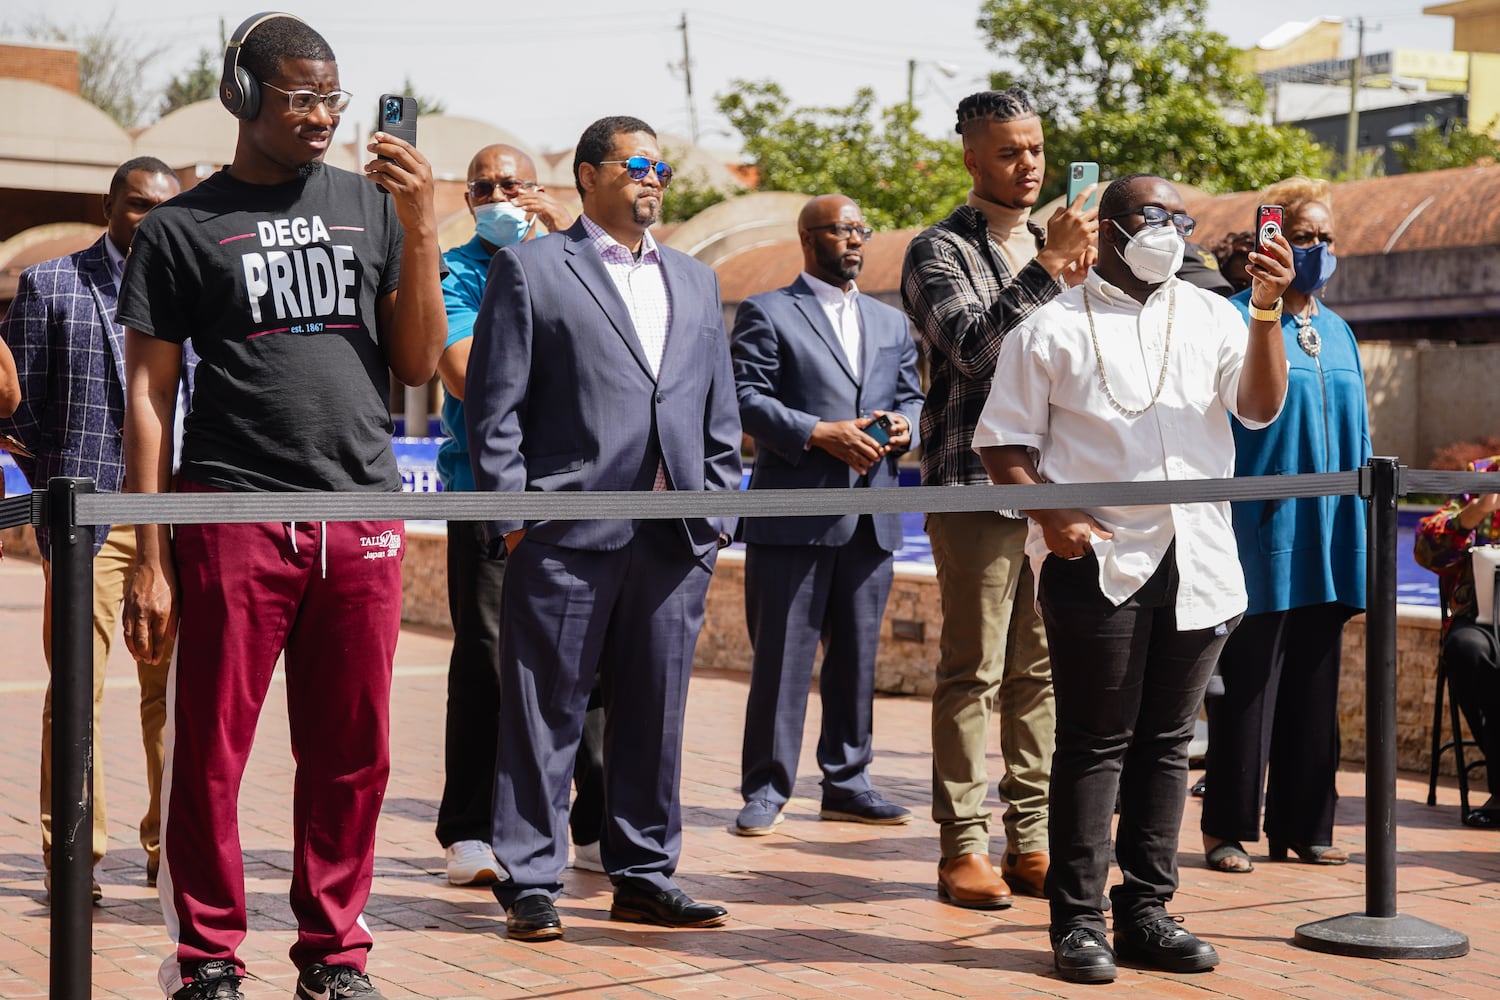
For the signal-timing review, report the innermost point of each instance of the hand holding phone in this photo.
(880, 429)
(396, 115)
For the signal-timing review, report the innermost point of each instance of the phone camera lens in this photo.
(393, 111)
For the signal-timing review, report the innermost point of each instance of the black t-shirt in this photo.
(276, 287)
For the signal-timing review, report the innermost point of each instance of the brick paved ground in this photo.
(820, 910)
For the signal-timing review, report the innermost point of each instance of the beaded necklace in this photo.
(1166, 352)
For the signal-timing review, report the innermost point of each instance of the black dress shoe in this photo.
(533, 918)
(1163, 944)
(673, 908)
(1081, 955)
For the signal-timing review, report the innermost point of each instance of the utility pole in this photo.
(1352, 138)
(687, 75)
(911, 79)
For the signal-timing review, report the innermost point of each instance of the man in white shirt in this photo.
(1128, 377)
(815, 363)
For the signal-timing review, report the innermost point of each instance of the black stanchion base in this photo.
(1362, 936)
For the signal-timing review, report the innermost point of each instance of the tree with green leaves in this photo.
(900, 176)
(1433, 147)
(199, 82)
(1143, 87)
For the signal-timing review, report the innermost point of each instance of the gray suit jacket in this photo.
(790, 372)
(559, 395)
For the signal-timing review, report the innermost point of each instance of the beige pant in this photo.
(111, 573)
(993, 646)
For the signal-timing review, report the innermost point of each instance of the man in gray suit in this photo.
(827, 383)
(600, 363)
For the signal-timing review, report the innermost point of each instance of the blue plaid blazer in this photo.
(70, 358)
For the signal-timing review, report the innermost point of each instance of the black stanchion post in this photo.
(72, 556)
(1380, 931)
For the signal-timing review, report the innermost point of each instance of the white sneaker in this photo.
(586, 857)
(471, 862)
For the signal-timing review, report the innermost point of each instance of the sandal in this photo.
(1229, 857)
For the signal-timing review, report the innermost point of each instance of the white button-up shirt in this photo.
(842, 310)
(642, 285)
(1048, 396)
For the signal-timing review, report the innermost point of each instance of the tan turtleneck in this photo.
(1008, 229)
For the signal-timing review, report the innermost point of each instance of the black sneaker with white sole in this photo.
(334, 982)
(216, 979)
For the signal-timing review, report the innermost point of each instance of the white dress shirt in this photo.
(642, 285)
(842, 310)
(1048, 396)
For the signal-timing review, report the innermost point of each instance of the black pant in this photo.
(1128, 685)
(1276, 728)
(466, 810)
(1474, 666)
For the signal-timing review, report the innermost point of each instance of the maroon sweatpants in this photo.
(330, 597)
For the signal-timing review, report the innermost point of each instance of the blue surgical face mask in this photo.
(1313, 265)
(501, 224)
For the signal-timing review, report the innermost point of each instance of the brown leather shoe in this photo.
(970, 881)
(1026, 873)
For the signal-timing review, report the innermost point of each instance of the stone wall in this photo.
(909, 645)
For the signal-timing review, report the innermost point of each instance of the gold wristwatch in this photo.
(1271, 315)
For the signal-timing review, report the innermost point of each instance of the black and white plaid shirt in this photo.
(963, 298)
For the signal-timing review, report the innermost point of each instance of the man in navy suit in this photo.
(816, 364)
(600, 363)
(69, 352)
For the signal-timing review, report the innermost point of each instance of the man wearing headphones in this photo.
(284, 273)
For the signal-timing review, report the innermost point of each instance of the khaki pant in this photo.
(993, 648)
(111, 573)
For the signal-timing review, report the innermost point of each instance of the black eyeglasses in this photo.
(639, 166)
(1156, 217)
(303, 101)
(510, 187)
(844, 230)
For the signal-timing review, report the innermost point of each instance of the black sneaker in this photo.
(1163, 944)
(1081, 955)
(213, 980)
(334, 982)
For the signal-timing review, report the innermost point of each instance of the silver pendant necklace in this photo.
(1166, 352)
(1307, 337)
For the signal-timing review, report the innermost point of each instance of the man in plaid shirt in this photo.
(967, 281)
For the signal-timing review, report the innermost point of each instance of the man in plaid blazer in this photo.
(69, 354)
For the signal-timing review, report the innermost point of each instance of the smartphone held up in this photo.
(396, 114)
(1081, 176)
(1268, 220)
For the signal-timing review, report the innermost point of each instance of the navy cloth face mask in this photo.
(1313, 265)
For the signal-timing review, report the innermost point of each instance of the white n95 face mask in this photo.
(1154, 254)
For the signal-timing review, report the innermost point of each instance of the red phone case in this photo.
(1268, 220)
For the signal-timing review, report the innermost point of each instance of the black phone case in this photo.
(402, 125)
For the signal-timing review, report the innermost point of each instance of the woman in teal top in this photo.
(1275, 729)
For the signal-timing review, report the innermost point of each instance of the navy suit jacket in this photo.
(559, 395)
(790, 372)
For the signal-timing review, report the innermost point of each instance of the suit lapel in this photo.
(96, 272)
(585, 264)
(807, 303)
(867, 337)
(679, 338)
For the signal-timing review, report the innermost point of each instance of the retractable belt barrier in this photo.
(72, 509)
